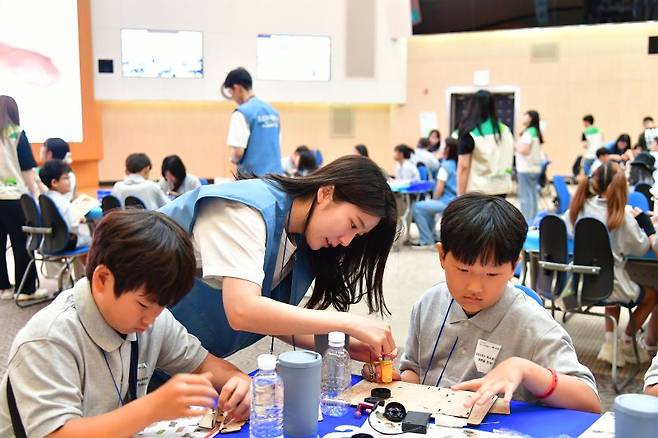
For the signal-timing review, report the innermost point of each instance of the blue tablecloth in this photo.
(530, 419)
(531, 244)
(413, 187)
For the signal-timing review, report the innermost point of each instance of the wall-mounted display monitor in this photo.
(293, 57)
(147, 53)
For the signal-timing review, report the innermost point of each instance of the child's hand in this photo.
(372, 372)
(175, 398)
(235, 398)
(504, 378)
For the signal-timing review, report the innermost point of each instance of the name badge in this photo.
(486, 354)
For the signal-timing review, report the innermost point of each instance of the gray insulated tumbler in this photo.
(301, 373)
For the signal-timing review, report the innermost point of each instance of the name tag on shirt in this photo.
(486, 354)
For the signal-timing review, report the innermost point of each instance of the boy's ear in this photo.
(102, 280)
(442, 254)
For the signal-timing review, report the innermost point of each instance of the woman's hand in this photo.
(376, 334)
(372, 372)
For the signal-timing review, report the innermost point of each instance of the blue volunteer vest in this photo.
(202, 310)
(263, 153)
(450, 189)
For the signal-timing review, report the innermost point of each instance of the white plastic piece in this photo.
(336, 339)
(266, 362)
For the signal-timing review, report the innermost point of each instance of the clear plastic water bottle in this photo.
(266, 416)
(336, 377)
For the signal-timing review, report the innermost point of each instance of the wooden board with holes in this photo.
(425, 399)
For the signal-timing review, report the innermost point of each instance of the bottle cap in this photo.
(266, 362)
(336, 339)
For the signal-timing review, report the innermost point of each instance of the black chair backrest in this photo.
(552, 248)
(52, 218)
(110, 202)
(645, 189)
(134, 202)
(592, 248)
(32, 219)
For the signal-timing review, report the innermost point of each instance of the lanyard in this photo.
(132, 377)
(429, 365)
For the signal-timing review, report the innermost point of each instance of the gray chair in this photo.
(35, 232)
(109, 203)
(593, 278)
(134, 202)
(552, 275)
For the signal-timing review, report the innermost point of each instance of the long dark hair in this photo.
(481, 108)
(175, 165)
(534, 123)
(626, 139)
(8, 113)
(452, 149)
(609, 182)
(344, 275)
(434, 148)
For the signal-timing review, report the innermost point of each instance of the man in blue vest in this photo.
(254, 132)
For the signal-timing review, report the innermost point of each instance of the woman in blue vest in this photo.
(261, 242)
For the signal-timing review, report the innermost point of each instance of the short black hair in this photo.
(647, 119)
(405, 150)
(423, 143)
(53, 170)
(589, 119)
(57, 147)
(144, 249)
(135, 163)
(302, 148)
(239, 76)
(361, 149)
(601, 152)
(482, 227)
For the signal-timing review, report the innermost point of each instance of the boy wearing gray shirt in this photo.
(81, 366)
(137, 184)
(477, 331)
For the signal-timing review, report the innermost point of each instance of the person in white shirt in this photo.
(175, 180)
(136, 183)
(404, 168)
(55, 174)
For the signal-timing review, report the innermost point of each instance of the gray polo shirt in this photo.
(58, 371)
(516, 324)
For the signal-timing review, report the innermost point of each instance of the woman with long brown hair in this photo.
(603, 196)
(262, 242)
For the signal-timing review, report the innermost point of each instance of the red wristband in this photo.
(551, 388)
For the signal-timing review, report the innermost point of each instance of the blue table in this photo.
(530, 419)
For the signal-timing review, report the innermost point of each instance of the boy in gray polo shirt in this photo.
(81, 366)
(477, 331)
